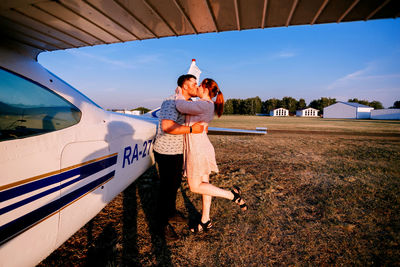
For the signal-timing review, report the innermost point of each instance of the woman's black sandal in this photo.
(237, 198)
(203, 227)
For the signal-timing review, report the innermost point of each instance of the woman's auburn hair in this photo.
(213, 90)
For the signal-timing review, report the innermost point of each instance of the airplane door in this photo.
(84, 193)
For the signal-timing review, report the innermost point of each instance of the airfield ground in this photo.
(320, 192)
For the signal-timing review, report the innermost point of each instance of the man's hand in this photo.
(197, 128)
(178, 90)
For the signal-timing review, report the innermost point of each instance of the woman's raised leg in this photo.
(197, 185)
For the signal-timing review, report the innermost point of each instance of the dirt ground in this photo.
(315, 198)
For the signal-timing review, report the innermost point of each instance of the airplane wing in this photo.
(46, 25)
(231, 131)
(217, 130)
(152, 113)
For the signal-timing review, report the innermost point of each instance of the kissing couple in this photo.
(182, 147)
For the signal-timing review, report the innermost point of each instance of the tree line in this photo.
(255, 105)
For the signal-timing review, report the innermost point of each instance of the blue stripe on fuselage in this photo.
(51, 190)
(23, 223)
(83, 171)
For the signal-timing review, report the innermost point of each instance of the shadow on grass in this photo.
(148, 197)
(117, 235)
(194, 215)
(105, 249)
(101, 251)
(129, 231)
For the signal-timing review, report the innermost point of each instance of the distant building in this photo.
(281, 112)
(125, 111)
(347, 110)
(135, 112)
(385, 114)
(307, 112)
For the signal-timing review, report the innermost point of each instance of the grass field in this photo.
(308, 124)
(320, 192)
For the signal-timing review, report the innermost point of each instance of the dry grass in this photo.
(314, 199)
(308, 124)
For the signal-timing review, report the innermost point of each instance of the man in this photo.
(168, 153)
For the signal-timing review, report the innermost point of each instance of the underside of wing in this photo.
(46, 25)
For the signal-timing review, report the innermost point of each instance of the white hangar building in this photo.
(307, 112)
(385, 114)
(126, 111)
(280, 112)
(347, 110)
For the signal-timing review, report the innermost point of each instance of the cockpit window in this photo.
(28, 109)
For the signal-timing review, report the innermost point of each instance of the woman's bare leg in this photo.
(205, 216)
(201, 185)
(197, 186)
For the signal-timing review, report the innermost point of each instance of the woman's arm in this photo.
(190, 107)
(171, 127)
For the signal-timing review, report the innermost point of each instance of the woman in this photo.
(199, 153)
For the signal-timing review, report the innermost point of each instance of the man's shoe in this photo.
(170, 234)
(178, 217)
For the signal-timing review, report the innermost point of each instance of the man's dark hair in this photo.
(183, 78)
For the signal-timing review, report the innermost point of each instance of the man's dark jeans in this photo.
(170, 171)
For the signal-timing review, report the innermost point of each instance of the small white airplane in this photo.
(62, 157)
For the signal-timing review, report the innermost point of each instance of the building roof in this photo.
(307, 108)
(357, 105)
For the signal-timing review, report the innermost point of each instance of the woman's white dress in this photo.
(199, 154)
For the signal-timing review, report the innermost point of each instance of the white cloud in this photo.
(110, 89)
(365, 78)
(285, 54)
(259, 60)
(125, 64)
(345, 80)
(117, 63)
(144, 59)
(370, 83)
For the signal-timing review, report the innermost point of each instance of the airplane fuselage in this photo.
(62, 158)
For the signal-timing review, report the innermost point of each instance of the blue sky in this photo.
(346, 60)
